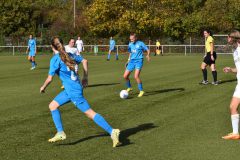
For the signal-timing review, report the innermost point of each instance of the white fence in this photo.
(121, 49)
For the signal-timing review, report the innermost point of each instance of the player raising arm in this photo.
(136, 49)
(234, 40)
(63, 64)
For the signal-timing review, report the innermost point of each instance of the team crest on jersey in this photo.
(134, 50)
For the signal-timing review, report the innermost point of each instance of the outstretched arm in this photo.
(85, 73)
(229, 69)
(27, 49)
(46, 83)
(148, 55)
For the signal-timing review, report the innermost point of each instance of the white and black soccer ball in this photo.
(124, 94)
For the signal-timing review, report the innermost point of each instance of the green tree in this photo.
(18, 17)
(111, 17)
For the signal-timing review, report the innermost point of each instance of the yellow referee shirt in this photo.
(208, 43)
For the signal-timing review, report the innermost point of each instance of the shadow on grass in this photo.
(124, 135)
(85, 139)
(227, 81)
(43, 68)
(102, 84)
(163, 91)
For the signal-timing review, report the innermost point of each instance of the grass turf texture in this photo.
(176, 119)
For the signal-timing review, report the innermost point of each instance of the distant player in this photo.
(70, 47)
(234, 40)
(209, 59)
(63, 64)
(158, 48)
(31, 51)
(112, 48)
(135, 62)
(79, 44)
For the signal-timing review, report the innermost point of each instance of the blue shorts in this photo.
(113, 49)
(80, 102)
(31, 53)
(134, 64)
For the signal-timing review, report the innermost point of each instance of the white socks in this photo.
(235, 121)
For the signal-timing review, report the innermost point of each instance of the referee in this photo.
(209, 59)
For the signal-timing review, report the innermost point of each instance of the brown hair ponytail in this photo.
(57, 43)
(235, 35)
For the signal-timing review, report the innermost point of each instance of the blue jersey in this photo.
(136, 49)
(32, 44)
(69, 78)
(112, 44)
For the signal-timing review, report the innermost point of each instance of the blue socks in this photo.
(33, 63)
(140, 86)
(100, 121)
(108, 56)
(128, 84)
(56, 116)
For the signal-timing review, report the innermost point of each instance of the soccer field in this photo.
(176, 119)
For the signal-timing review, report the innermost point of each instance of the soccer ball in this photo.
(124, 94)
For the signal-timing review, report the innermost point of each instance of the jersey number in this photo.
(73, 74)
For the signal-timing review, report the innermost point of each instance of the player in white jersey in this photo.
(234, 40)
(79, 44)
(70, 47)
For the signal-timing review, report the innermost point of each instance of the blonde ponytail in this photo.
(58, 45)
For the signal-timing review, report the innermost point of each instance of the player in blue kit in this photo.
(32, 49)
(112, 48)
(135, 62)
(63, 64)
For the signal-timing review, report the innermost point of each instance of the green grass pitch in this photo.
(176, 119)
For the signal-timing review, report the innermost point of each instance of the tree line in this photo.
(177, 19)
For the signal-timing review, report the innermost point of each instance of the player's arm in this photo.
(211, 49)
(85, 73)
(126, 64)
(27, 48)
(35, 47)
(229, 70)
(145, 48)
(129, 51)
(129, 57)
(54, 66)
(46, 83)
(148, 55)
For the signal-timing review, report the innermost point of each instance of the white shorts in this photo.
(237, 91)
(80, 49)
